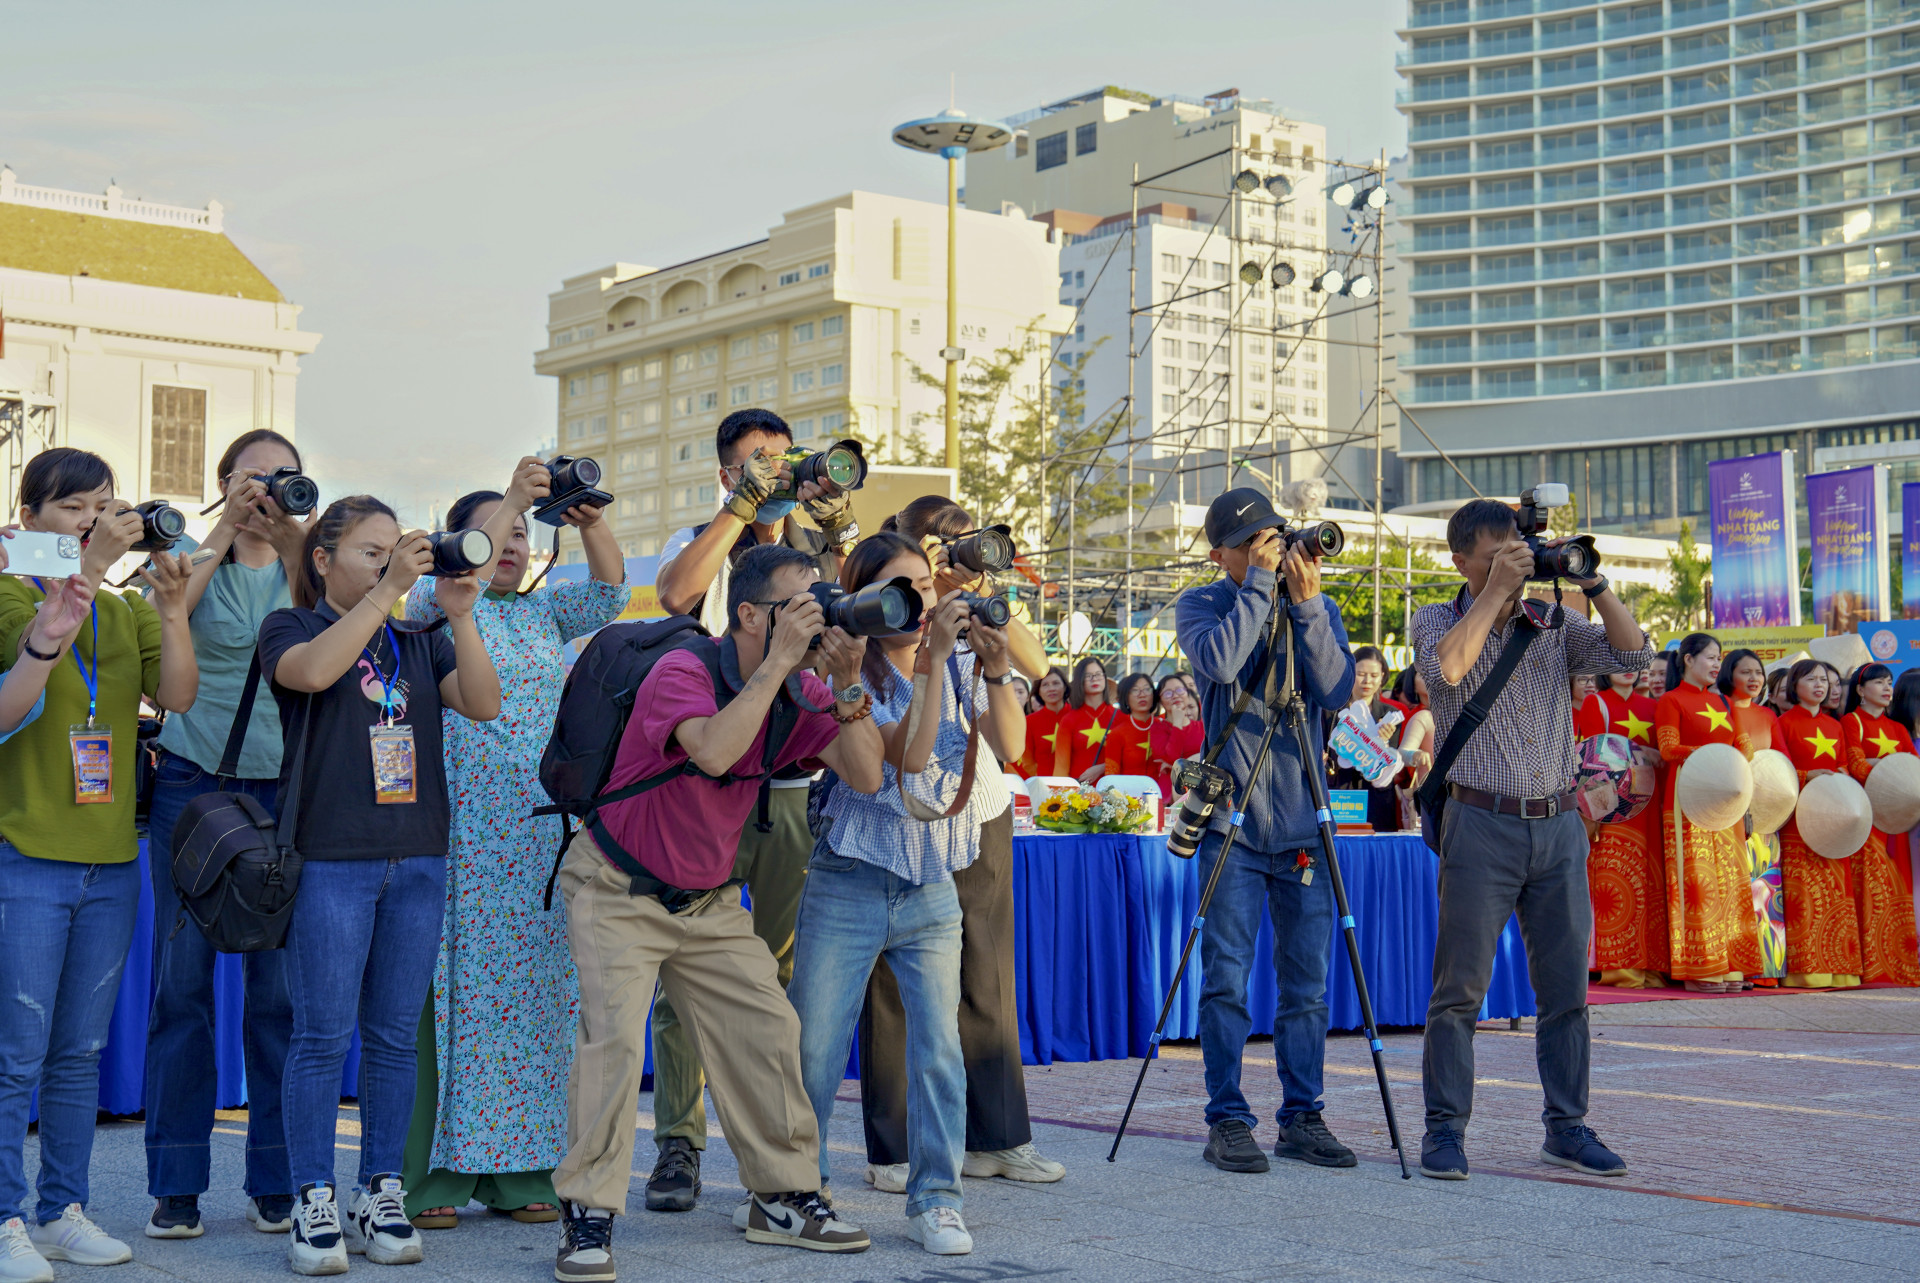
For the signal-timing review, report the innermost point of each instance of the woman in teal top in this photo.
(496, 1039)
(230, 594)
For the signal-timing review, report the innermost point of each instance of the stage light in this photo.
(1342, 194)
(1279, 186)
(1250, 273)
(1245, 181)
(1329, 281)
(1283, 275)
(1358, 287)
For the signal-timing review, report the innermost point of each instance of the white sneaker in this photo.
(1021, 1163)
(888, 1178)
(316, 1245)
(941, 1231)
(269, 1220)
(75, 1238)
(20, 1260)
(376, 1223)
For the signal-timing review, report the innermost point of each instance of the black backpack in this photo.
(595, 706)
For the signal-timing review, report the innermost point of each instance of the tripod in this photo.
(1284, 698)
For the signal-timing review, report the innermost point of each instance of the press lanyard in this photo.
(92, 679)
(386, 683)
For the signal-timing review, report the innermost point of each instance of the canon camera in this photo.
(844, 463)
(883, 609)
(459, 552)
(1573, 557)
(1205, 786)
(161, 526)
(573, 483)
(981, 551)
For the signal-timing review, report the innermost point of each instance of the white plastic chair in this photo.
(1132, 785)
(1016, 787)
(1041, 787)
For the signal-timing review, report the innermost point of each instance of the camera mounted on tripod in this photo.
(1572, 557)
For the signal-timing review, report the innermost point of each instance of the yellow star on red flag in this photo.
(1717, 719)
(1885, 743)
(1094, 734)
(1822, 746)
(1636, 729)
(1052, 737)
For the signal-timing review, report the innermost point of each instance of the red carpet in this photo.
(1598, 994)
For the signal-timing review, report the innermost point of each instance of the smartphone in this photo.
(42, 553)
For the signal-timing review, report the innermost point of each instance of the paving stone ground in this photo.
(1732, 1113)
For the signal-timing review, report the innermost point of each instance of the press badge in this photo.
(92, 748)
(393, 773)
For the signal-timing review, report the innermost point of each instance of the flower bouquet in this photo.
(1089, 810)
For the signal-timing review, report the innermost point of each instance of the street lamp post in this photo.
(952, 135)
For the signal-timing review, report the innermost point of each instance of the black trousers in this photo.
(989, 1029)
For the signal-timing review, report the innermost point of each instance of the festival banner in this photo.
(1910, 549)
(1846, 516)
(1895, 644)
(1770, 644)
(1756, 557)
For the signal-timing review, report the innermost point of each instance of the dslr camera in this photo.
(994, 612)
(573, 482)
(981, 551)
(1317, 539)
(1574, 557)
(1206, 786)
(882, 609)
(844, 463)
(293, 490)
(459, 552)
(161, 526)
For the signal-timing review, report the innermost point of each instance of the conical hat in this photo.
(1845, 652)
(1714, 787)
(1776, 787)
(1833, 816)
(1893, 789)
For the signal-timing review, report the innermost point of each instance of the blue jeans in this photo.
(181, 1073)
(1302, 940)
(361, 947)
(64, 933)
(851, 913)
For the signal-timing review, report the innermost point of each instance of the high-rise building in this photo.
(138, 331)
(823, 321)
(1649, 234)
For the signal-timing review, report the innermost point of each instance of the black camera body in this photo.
(980, 551)
(459, 552)
(1205, 785)
(994, 612)
(844, 464)
(574, 481)
(161, 526)
(293, 490)
(1316, 539)
(885, 608)
(1574, 557)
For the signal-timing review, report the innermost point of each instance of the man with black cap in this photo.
(1224, 629)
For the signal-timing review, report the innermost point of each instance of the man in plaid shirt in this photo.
(1511, 838)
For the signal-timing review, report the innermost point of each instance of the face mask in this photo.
(774, 510)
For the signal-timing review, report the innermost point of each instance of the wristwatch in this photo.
(1004, 679)
(851, 695)
(1596, 589)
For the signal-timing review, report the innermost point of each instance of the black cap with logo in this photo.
(1239, 515)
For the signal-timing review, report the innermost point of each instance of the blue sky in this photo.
(418, 176)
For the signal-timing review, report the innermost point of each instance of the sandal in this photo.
(529, 1215)
(436, 1218)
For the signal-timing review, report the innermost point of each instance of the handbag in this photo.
(234, 867)
(1433, 794)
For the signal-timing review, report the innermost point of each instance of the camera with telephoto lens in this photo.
(1205, 785)
(883, 609)
(573, 482)
(459, 552)
(1317, 539)
(982, 550)
(1574, 557)
(161, 526)
(844, 463)
(292, 490)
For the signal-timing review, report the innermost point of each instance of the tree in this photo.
(1565, 520)
(1353, 594)
(1687, 601)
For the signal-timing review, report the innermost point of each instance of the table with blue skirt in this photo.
(1099, 920)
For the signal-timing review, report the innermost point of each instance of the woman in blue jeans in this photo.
(364, 695)
(880, 884)
(257, 546)
(69, 857)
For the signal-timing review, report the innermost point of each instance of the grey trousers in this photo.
(1492, 866)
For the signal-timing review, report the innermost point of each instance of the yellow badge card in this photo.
(92, 763)
(393, 764)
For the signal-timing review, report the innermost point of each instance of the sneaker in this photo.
(176, 1216)
(888, 1178)
(1443, 1155)
(72, 1237)
(586, 1244)
(20, 1260)
(1232, 1148)
(941, 1231)
(315, 1245)
(377, 1224)
(271, 1213)
(1578, 1148)
(1021, 1163)
(800, 1219)
(675, 1183)
(1307, 1139)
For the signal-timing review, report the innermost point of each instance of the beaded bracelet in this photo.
(865, 710)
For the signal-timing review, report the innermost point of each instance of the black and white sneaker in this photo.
(377, 1224)
(315, 1244)
(586, 1244)
(800, 1219)
(176, 1216)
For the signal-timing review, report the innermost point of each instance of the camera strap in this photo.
(1245, 699)
(1433, 793)
(909, 724)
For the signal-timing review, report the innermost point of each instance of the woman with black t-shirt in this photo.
(366, 693)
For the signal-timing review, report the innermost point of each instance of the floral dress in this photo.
(504, 991)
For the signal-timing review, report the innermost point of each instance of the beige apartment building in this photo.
(139, 331)
(823, 321)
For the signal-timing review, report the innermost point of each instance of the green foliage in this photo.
(1130, 95)
(1565, 520)
(1353, 594)
(1686, 603)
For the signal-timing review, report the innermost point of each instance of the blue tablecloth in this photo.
(1099, 919)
